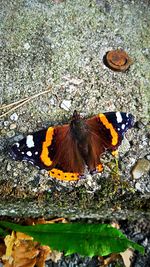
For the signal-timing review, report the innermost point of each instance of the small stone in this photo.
(15, 174)
(14, 117)
(24, 129)
(26, 46)
(12, 126)
(148, 157)
(52, 102)
(66, 104)
(125, 146)
(6, 123)
(10, 133)
(138, 186)
(76, 81)
(8, 168)
(1, 159)
(141, 167)
(18, 138)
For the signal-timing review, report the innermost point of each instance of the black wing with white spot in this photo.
(29, 148)
(121, 121)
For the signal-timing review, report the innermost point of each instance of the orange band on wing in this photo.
(65, 176)
(109, 126)
(48, 140)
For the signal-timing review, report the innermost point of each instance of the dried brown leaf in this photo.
(55, 256)
(127, 256)
(112, 258)
(2, 249)
(22, 236)
(44, 252)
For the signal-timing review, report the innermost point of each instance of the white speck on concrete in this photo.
(26, 46)
(52, 102)
(138, 186)
(14, 117)
(66, 104)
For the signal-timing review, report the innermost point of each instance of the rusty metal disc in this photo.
(117, 60)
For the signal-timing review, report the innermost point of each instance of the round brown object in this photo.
(117, 60)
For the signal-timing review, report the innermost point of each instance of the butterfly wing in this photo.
(107, 131)
(52, 149)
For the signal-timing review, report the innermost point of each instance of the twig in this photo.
(14, 103)
(24, 101)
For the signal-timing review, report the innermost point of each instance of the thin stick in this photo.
(25, 101)
(14, 103)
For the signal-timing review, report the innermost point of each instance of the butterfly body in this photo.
(66, 150)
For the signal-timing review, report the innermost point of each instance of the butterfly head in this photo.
(78, 126)
(76, 116)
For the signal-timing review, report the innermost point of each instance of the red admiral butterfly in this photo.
(65, 150)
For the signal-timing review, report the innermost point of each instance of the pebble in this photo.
(14, 117)
(24, 129)
(12, 126)
(15, 174)
(65, 104)
(52, 102)
(26, 46)
(141, 167)
(125, 146)
(148, 157)
(18, 138)
(138, 186)
(10, 133)
(6, 123)
(8, 168)
(76, 81)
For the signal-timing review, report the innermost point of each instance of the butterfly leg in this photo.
(64, 176)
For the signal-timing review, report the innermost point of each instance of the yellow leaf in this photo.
(22, 236)
(9, 242)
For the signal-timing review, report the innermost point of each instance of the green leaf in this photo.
(3, 233)
(85, 239)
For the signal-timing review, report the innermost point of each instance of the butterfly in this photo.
(65, 150)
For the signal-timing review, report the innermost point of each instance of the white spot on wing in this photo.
(123, 126)
(119, 117)
(29, 141)
(29, 153)
(36, 153)
(17, 144)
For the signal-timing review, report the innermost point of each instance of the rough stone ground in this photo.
(62, 45)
